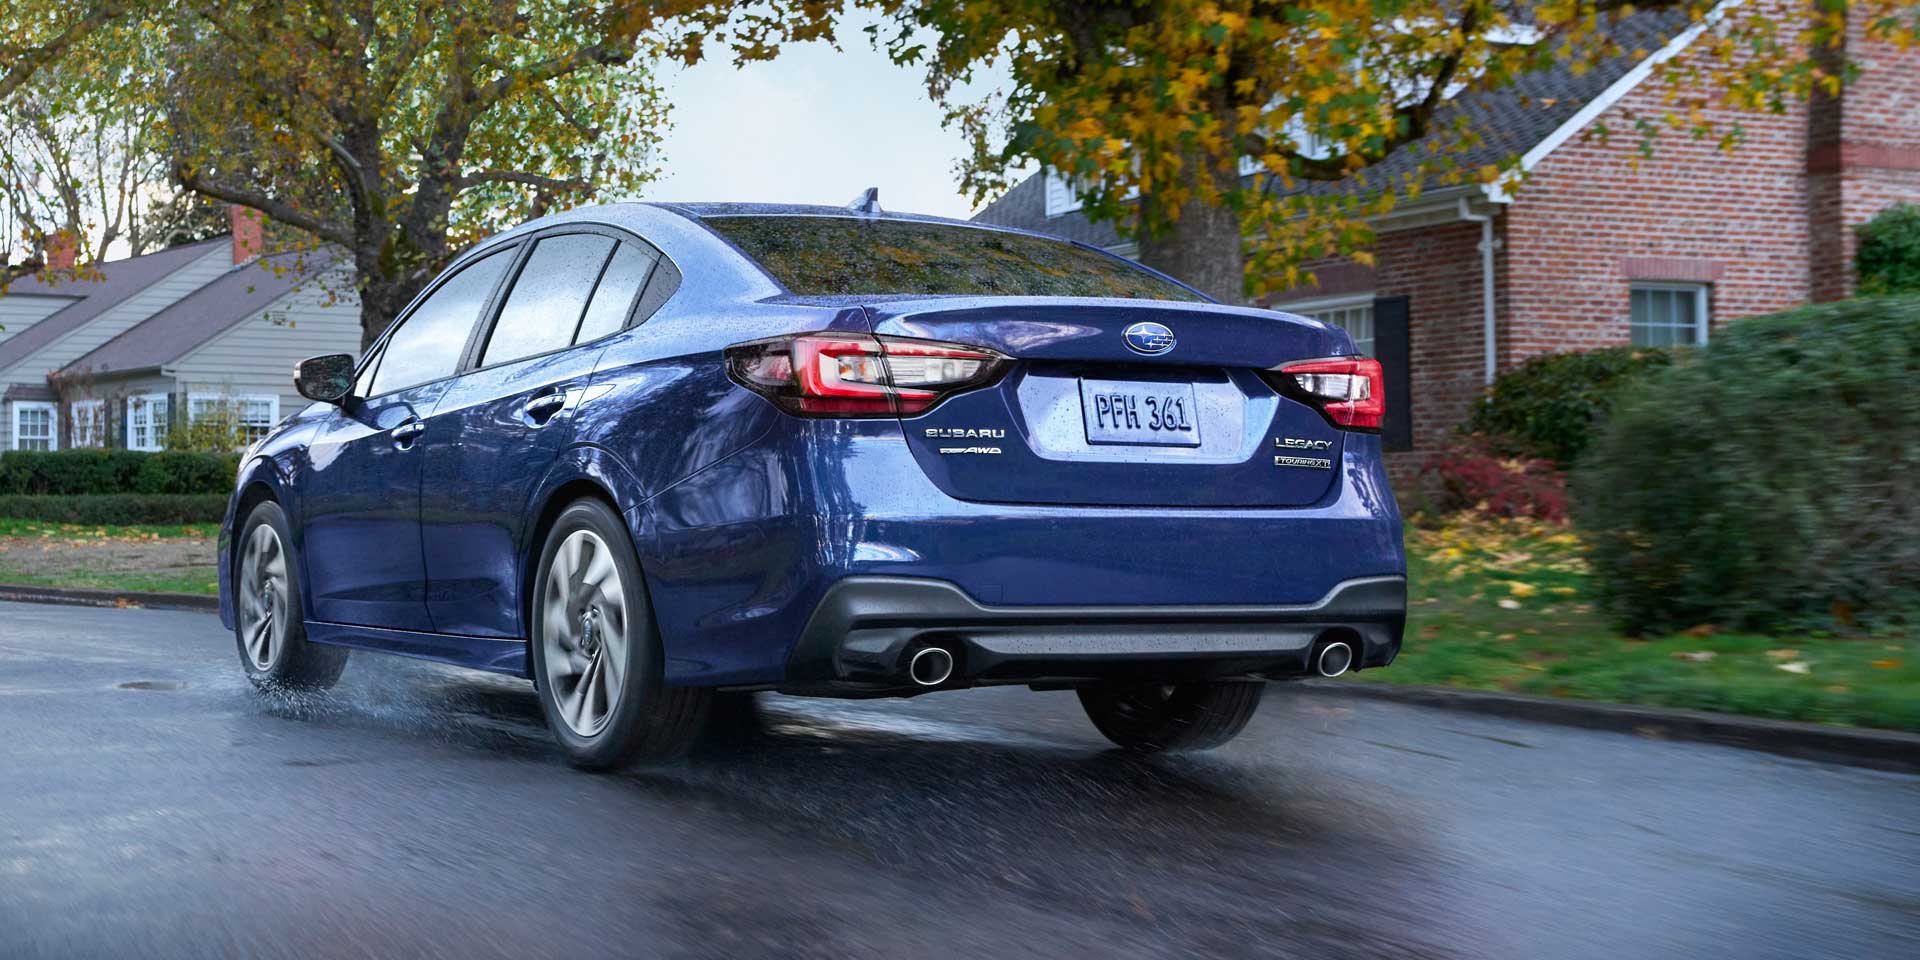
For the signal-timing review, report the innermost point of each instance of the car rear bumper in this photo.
(864, 630)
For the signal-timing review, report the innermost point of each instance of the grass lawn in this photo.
(161, 559)
(82, 532)
(1508, 606)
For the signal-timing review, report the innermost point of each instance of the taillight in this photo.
(1350, 391)
(859, 375)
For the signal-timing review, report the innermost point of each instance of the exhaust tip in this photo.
(1334, 659)
(930, 666)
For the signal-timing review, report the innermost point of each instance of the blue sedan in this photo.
(640, 453)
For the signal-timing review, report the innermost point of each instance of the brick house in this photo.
(1592, 251)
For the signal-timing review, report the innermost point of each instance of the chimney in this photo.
(63, 247)
(249, 232)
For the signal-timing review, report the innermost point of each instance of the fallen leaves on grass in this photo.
(1694, 656)
(1798, 666)
(1885, 664)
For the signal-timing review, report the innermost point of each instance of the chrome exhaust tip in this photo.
(1334, 659)
(930, 666)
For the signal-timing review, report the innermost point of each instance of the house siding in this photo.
(257, 355)
(35, 366)
(19, 311)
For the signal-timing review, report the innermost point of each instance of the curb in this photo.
(1854, 746)
(81, 596)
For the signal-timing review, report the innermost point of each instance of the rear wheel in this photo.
(596, 654)
(1148, 718)
(268, 625)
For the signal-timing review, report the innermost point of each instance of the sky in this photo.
(813, 126)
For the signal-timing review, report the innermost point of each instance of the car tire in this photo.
(1150, 718)
(269, 625)
(596, 652)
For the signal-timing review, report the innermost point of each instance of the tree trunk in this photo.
(381, 298)
(1201, 248)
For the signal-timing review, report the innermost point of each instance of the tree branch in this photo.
(258, 200)
(24, 65)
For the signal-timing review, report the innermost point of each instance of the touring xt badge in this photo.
(1293, 460)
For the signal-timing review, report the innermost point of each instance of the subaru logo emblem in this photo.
(1151, 339)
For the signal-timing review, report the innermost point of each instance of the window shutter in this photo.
(1393, 347)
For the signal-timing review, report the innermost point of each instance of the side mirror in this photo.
(328, 379)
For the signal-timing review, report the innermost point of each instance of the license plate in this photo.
(1162, 414)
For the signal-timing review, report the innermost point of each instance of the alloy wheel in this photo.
(262, 597)
(583, 627)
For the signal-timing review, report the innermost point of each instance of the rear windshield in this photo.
(829, 256)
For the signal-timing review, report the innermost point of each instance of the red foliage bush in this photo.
(1469, 476)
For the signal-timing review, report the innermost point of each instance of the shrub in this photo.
(117, 508)
(78, 472)
(68, 471)
(1546, 408)
(176, 471)
(1768, 481)
(1469, 475)
(1888, 260)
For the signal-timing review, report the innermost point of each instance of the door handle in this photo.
(405, 433)
(542, 408)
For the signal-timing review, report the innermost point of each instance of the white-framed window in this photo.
(147, 421)
(35, 425)
(1666, 314)
(1061, 197)
(1350, 312)
(254, 415)
(89, 422)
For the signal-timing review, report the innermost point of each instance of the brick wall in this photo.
(1591, 221)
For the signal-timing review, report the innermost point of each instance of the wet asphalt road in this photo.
(419, 811)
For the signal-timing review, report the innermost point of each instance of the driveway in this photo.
(151, 804)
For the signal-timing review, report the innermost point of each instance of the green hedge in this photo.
(1767, 481)
(89, 472)
(1547, 407)
(116, 508)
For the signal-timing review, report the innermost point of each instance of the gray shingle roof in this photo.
(118, 280)
(1509, 121)
(192, 320)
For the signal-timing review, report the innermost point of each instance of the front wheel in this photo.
(597, 658)
(1148, 717)
(267, 624)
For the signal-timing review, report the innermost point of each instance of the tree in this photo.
(1151, 106)
(402, 130)
(80, 158)
(37, 33)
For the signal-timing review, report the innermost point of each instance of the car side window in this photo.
(549, 297)
(363, 387)
(613, 300)
(429, 341)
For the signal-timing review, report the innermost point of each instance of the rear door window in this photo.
(549, 297)
(613, 300)
(832, 256)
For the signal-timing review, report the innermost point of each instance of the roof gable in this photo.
(181, 327)
(119, 280)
